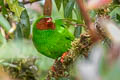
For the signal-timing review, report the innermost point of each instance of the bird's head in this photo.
(45, 24)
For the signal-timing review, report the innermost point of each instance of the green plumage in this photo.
(52, 43)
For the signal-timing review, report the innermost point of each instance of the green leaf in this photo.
(118, 17)
(77, 12)
(14, 7)
(23, 27)
(4, 11)
(18, 32)
(65, 3)
(114, 13)
(58, 4)
(4, 23)
(24, 20)
(55, 13)
(68, 9)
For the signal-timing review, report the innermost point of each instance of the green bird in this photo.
(51, 39)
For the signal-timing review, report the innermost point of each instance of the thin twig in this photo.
(89, 24)
(84, 12)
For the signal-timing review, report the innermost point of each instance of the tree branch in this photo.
(79, 48)
(89, 24)
(84, 12)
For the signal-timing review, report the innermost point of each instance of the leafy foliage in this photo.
(15, 50)
(68, 9)
(68, 6)
(4, 23)
(24, 23)
(14, 7)
(115, 14)
(4, 11)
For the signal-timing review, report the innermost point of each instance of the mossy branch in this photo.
(80, 47)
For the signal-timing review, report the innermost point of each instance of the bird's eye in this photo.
(49, 19)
